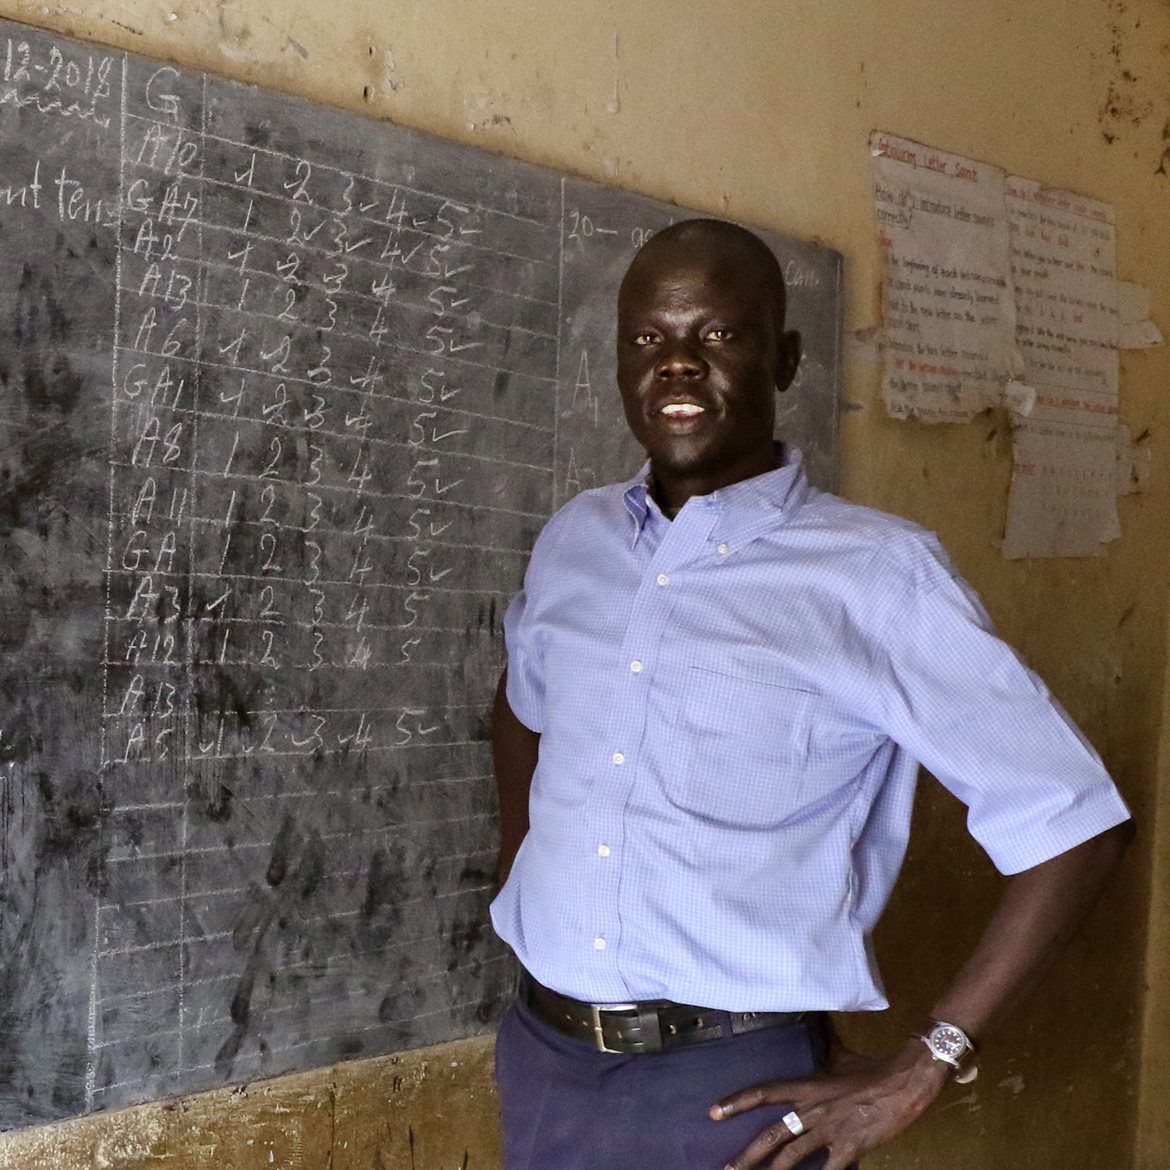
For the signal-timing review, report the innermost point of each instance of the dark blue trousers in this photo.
(567, 1106)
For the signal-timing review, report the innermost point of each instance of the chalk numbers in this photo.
(70, 83)
(580, 228)
(283, 510)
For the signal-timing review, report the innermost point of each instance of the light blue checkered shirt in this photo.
(731, 708)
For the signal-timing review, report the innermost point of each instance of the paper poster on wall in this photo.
(1063, 498)
(948, 313)
(1137, 331)
(1063, 269)
(998, 291)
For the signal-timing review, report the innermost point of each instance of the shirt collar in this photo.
(746, 509)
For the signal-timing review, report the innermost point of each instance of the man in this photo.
(720, 681)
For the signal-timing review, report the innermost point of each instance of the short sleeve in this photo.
(523, 637)
(525, 676)
(963, 703)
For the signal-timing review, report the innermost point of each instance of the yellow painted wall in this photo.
(760, 109)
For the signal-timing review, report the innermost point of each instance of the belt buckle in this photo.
(595, 1010)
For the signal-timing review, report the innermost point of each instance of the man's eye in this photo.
(644, 338)
(719, 334)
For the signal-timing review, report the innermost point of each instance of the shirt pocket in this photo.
(743, 747)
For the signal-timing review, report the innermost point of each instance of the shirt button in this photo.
(663, 579)
(724, 550)
(636, 666)
(603, 850)
(599, 944)
(618, 758)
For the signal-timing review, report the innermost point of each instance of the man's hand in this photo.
(857, 1103)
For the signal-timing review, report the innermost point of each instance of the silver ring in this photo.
(794, 1124)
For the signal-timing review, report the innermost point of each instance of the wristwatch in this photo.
(950, 1044)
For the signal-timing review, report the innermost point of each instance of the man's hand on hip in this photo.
(856, 1104)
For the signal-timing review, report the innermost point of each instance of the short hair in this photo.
(722, 235)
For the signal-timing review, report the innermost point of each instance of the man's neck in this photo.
(672, 502)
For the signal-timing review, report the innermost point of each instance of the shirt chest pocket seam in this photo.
(744, 745)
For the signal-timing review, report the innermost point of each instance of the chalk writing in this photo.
(298, 429)
(288, 396)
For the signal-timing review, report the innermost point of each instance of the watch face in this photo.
(948, 1041)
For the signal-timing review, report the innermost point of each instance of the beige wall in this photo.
(1153, 1134)
(760, 109)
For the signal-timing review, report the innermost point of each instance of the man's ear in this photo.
(787, 359)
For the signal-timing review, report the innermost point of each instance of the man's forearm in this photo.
(1036, 915)
(863, 1102)
(515, 749)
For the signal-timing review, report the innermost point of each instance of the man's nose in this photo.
(679, 359)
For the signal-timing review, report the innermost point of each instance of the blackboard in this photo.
(285, 396)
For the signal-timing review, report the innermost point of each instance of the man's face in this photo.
(701, 354)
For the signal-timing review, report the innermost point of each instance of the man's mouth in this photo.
(681, 410)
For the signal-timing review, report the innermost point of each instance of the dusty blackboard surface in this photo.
(285, 395)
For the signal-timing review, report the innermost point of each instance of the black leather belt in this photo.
(653, 1025)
